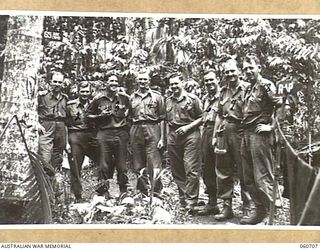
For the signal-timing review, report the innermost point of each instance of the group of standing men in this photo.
(236, 139)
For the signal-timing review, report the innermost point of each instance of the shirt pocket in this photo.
(186, 110)
(74, 113)
(169, 111)
(151, 107)
(135, 103)
(120, 110)
(254, 104)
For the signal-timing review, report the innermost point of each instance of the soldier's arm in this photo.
(276, 100)
(195, 123)
(217, 124)
(93, 112)
(68, 116)
(68, 147)
(271, 91)
(198, 113)
(68, 123)
(162, 132)
(90, 111)
(162, 116)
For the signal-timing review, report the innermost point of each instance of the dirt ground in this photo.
(62, 209)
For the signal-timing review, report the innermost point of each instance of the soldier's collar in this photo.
(259, 82)
(233, 91)
(79, 103)
(227, 86)
(52, 96)
(138, 92)
(211, 98)
(241, 87)
(180, 98)
(116, 95)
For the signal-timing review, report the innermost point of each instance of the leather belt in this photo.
(145, 122)
(233, 120)
(208, 124)
(59, 119)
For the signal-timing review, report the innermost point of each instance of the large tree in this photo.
(22, 185)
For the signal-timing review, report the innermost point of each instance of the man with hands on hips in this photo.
(259, 109)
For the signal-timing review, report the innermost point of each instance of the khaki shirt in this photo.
(76, 115)
(231, 102)
(183, 110)
(210, 108)
(50, 107)
(118, 106)
(259, 102)
(148, 107)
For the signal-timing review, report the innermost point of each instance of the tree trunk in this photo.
(18, 96)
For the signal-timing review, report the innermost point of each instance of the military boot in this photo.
(102, 189)
(210, 208)
(123, 188)
(226, 212)
(245, 210)
(256, 216)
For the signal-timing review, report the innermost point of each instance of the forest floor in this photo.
(135, 208)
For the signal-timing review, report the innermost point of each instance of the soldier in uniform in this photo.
(81, 136)
(110, 109)
(184, 141)
(260, 100)
(52, 116)
(229, 119)
(147, 133)
(210, 106)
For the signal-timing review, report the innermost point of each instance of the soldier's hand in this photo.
(182, 130)
(106, 112)
(41, 129)
(263, 128)
(213, 142)
(68, 148)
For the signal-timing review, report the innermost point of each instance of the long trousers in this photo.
(184, 155)
(229, 165)
(257, 162)
(113, 150)
(208, 160)
(52, 143)
(146, 156)
(82, 143)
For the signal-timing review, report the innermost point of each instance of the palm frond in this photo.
(43, 193)
(27, 180)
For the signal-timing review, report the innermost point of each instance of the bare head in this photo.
(176, 84)
(251, 68)
(231, 71)
(210, 82)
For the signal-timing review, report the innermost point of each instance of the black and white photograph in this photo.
(159, 119)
